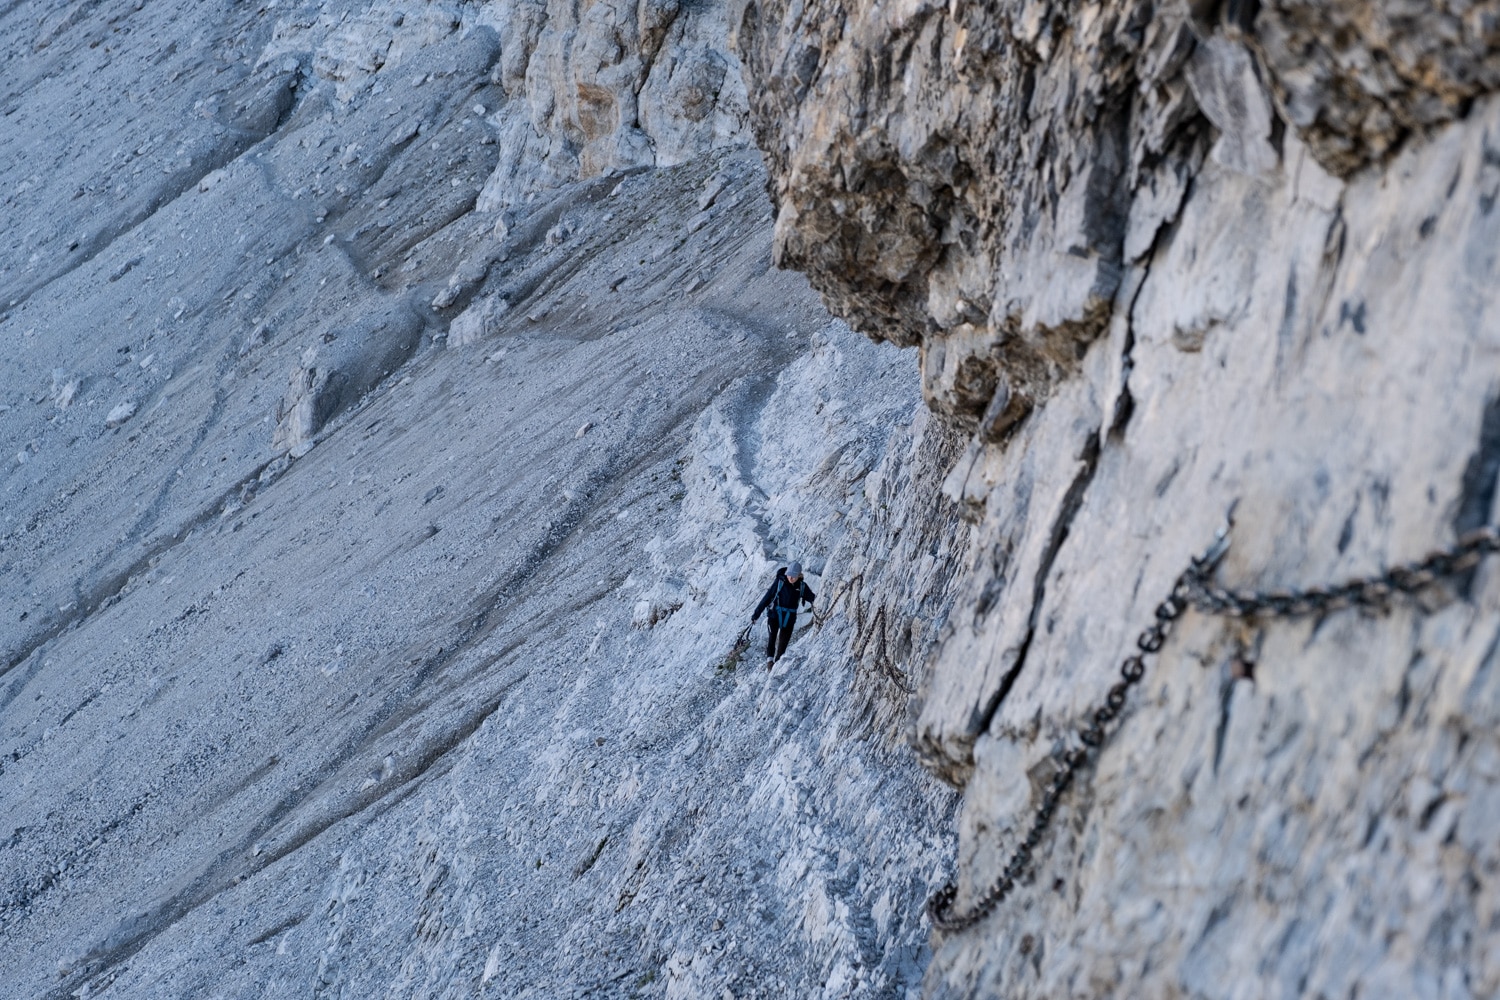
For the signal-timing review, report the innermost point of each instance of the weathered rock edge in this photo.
(973, 178)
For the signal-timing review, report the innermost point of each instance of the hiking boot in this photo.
(770, 664)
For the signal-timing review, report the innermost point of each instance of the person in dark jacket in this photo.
(787, 591)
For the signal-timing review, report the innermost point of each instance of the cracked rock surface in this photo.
(1161, 258)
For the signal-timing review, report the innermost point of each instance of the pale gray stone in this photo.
(119, 413)
(1239, 255)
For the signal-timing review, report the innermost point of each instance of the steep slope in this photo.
(395, 447)
(1165, 260)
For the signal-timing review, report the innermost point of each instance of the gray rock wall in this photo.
(1163, 259)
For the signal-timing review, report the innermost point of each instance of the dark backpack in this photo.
(784, 616)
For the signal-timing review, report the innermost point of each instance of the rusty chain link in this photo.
(1195, 589)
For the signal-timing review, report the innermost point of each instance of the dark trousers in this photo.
(777, 638)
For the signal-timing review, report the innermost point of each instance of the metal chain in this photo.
(1195, 589)
(1373, 592)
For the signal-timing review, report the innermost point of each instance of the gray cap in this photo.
(795, 569)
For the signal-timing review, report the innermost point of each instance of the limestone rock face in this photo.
(569, 91)
(608, 86)
(1165, 261)
(941, 167)
(940, 195)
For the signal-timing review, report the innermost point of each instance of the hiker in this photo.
(783, 597)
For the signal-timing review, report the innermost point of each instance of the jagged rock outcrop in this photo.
(1165, 259)
(942, 168)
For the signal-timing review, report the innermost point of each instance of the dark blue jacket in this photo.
(783, 597)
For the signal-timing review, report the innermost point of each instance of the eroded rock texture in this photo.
(401, 415)
(1162, 258)
(401, 418)
(947, 168)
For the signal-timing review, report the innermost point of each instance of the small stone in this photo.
(583, 430)
(122, 412)
(63, 390)
(273, 469)
(712, 189)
